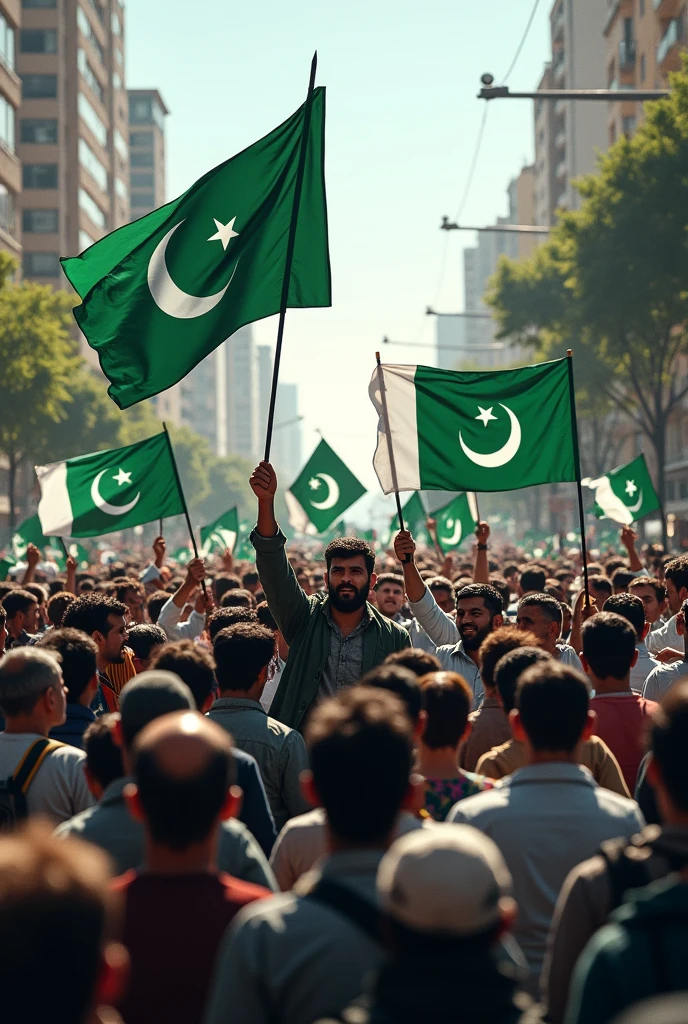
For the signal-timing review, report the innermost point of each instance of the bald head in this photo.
(183, 768)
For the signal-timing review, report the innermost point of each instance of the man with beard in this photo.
(103, 619)
(479, 611)
(332, 643)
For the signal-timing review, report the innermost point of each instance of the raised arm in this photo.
(481, 572)
(439, 626)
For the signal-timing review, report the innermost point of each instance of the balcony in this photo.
(558, 23)
(562, 170)
(675, 34)
(559, 65)
(560, 140)
(560, 108)
(627, 52)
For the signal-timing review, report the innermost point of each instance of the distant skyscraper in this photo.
(10, 99)
(266, 359)
(287, 439)
(147, 113)
(242, 394)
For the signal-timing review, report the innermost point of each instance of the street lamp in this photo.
(502, 92)
(471, 315)
(287, 423)
(507, 229)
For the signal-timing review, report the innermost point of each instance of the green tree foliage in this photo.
(612, 283)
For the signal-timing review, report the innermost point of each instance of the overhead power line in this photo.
(522, 43)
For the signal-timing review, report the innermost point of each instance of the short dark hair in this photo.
(601, 583)
(149, 696)
(509, 669)
(649, 581)
(491, 597)
(609, 645)
(241, 652)
(440, 583)
(668, 738)
(498, 643)
(677, 571)
(415, 659)
(614, 563)
(349, 547)
(194, 665)
(390, 577)
(622, 577)
(533, 577)
(143, 637)
(124, 584)
(361, 735)
(238, 598)
(446, 699)
(553, 702)
(103, 755)
(38, 591)
(90, 612)
(502, 588)
(223, 582)
(3, 616)
(250, 578)
(78, 654)
(181, 811)
(155, 604)
(630, 607)
(265, 616)
(399, 680)
(18, 601)
(221, 618)
(551, 608)
(58, 605)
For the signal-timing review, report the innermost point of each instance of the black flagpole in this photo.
(576, 458)
(291, 243)
(181, 491)
(390, 450)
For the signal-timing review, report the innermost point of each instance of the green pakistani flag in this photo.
(160, 294)
(456, 521)
(182, 556)
(626, 494)
(496, 430)
(414, 516)
(29, 532)
(324, 489)
(221, 535)
(6, 564)
(244, 549)
(106, 491)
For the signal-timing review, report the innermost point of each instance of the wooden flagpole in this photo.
(576, 457)
(390, 450)
(186, 509)
(291, 243)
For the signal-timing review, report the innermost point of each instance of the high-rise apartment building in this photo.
(287, 435)
(10, 98)
(644, 39)
(73, 130)
(147, 113)
(569, 133)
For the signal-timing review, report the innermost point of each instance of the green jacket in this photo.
(305, 627)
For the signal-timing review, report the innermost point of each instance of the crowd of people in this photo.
(375, 788)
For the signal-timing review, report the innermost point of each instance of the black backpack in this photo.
(13, 807)
(626, 861)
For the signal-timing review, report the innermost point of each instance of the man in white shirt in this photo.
(664, 676)
(676, 582)
(33, 700)
(172, 611)
(542, 615)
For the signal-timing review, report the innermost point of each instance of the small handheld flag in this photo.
(626, 494)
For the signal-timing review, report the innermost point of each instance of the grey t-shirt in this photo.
(59, 788)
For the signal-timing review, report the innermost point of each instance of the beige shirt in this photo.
(58, 790)
(490, 729)
(595, 756)
(303, 841)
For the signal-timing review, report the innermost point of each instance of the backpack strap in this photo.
(32, 760)
(345, 902)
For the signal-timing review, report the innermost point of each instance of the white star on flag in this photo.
(631, 488)
(485, 415)
(314, 483)
(122, 478)
(224, 232)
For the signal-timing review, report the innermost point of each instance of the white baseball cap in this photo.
(445, 880)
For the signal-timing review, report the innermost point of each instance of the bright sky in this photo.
(402, 122)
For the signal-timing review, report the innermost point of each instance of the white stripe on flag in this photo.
(55, 508)
(298, 519)
(401, 408)
(612, 506)
(473, 505)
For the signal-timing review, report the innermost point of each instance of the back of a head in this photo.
(221, 618)
(238, 598)
(78, 654)
(144, 637)
(398, 680)
(56, 913)
(155, 604)
(609, 645)
(223, 583)
(533, 578)
(446, 699)
(265, 616)
(194, 665)
(361, 735)
(149, 696)
(57, 606)
(509, 668)
(183, 770)
(621, 578)
(630, 608)
(415, 659)
(497, 644)
(25, 674)
(103, 755)
(669, 742)
(553, 702)
(241, 653)
(601, 584)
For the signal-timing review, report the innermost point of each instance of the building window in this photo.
(85, 240)
(91, 208)
(7, 115)
(39, 175)
(140, 138)
(121, 145)
(39, 129)
(8, 214)
(143, 199)
(91, 119)
(41, 264)
(98, 8)
(142, 179)
(90, 162)
(39, 87)
(6, 43)
(86, 29)
(140, 110)
(39, 40)
(89, 75)
(116, 24)
(642, 67)
(116, 80)
(142, 159)
(121, 188)
(42, 222)
(628, 125)
(39, 3)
